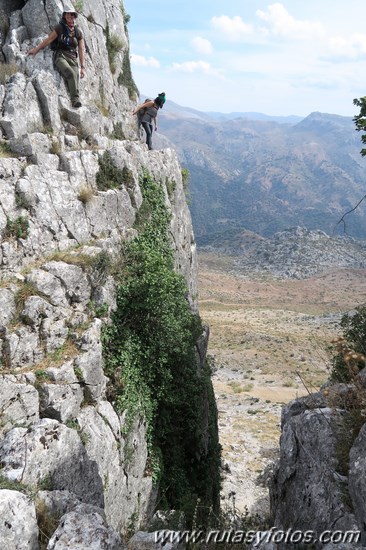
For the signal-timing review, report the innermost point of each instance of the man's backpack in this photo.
(64, 37)
(141, 112)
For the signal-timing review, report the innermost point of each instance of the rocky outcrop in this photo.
(37, 97)
(89, 521)
(61, 440)
(298, 253)
(318, 484)
(14, 533)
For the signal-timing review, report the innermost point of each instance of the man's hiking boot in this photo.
(76, 104)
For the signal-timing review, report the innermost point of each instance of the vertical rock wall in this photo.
(61, 443)
(319, 483)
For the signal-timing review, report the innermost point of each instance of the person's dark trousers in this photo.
(149, 130)
(69, 69)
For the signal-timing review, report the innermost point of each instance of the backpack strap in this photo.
(66, 32)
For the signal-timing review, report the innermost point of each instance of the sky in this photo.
(279, 58)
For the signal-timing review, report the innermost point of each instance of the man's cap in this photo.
(70, 9)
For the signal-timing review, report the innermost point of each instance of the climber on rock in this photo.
(67, 41)
(149, 115)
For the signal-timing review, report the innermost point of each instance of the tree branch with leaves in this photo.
(360, 120)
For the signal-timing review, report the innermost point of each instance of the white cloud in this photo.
(202, 45)
(141, 61)
(234, 27)
(197, 66)
(288, 57)
(281, 23)
(353, 47)
(315, 35)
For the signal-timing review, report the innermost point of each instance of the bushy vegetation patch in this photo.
(17, 228)
(109, 176)
(125, 77)
(351, 347)
(150, 358)
(6, 71)
(349, 359)
(114, 47)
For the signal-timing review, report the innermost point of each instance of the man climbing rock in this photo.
(68, 43)
(149, 110)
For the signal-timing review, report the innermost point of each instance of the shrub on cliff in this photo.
(351, 348)
(150, 359)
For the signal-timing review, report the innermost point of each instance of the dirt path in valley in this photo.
(271, 341)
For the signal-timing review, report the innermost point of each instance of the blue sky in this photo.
(279, 58)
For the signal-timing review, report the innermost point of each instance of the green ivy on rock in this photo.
(150, 359)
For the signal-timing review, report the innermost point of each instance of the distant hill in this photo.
(297, 253)
(264, 176)
(291, 119)
(173, 110)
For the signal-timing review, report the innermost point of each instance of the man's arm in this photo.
(142, 106)
(81, 48)
(50, 38)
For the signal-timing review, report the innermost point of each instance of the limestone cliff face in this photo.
(59, 435)
(319, 482)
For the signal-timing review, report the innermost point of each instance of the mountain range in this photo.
(253, 172)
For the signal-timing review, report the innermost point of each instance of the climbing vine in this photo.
(150, 359)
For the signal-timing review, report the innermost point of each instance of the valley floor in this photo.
(271, 342)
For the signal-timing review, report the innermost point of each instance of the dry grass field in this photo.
(271, 341)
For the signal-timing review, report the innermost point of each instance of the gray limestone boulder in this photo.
(81, 166)
(62, 395)
(357, 473)
(7, 306)
(18, 522)
(47, 92)
(22, 113)
(90, 363)
(85, 528)
(36, 309)
(307, 491)
(298, 406)
(103, 449)
(48, 286)
(110, 417)
(111, 453)
(73, 279)
(40, 20)
(19, 403)
(21, 347)
(48, 452)
(57, 503)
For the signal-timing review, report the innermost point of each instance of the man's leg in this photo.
(148, 129)
(70, 72)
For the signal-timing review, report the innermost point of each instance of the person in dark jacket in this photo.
(70, 47)
(150, 116)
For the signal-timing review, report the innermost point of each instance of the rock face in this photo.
(318, 484)
(60, 438)
(14, 533)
